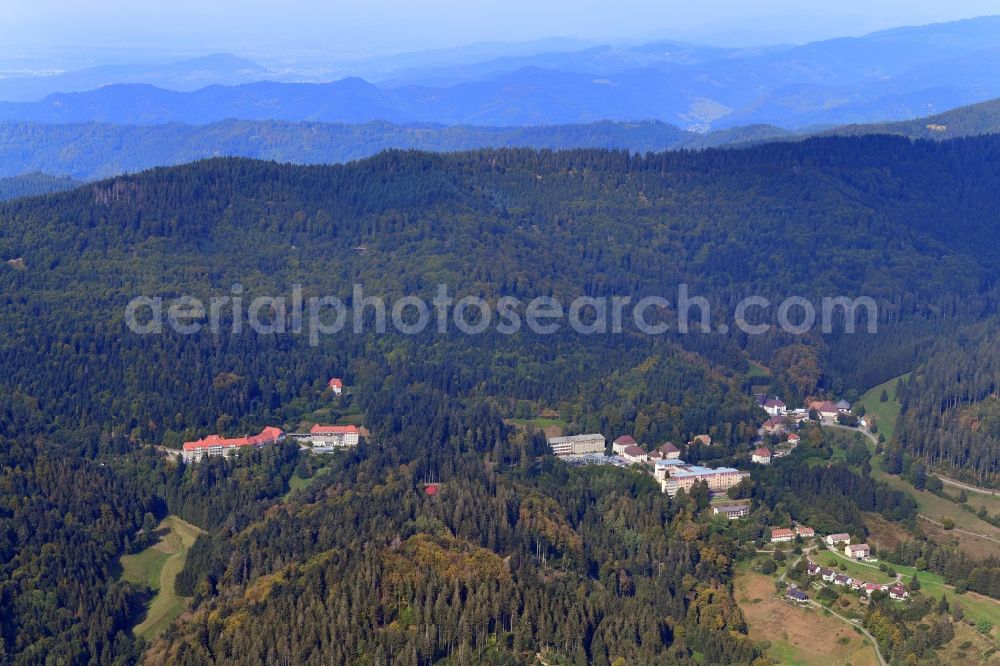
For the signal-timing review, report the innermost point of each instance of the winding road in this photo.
(853, 623)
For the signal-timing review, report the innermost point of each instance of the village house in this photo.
(731, 511)
(336, 385)
(857, 584)
(874, 587)
(827, 410)
(843, 406)
(665, 451)
(761, 456)
(805, 532)
(704, 440)
(774, 406)
(781, 534)
(575, 445)
(827, 574)
(776, 425)
(834, 539)
(842, 580)
(793, 439)
(623, 442)
(634, 454)
(812, 568)
(334, 436)
(860, 551)
(898, 592)
(796, 594)
(214, 445)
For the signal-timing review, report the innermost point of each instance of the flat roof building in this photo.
(575, 445)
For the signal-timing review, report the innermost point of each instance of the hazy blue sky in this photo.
(380, 26)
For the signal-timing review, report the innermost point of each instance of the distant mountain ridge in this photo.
(96, 150)
(902, 73)
(89, 151)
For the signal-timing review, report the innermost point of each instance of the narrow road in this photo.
(955, 529)
(965, 486)
(878, 653)
(944, 479)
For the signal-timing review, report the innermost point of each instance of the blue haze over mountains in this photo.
(895, 74)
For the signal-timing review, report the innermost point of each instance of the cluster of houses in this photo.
(783, 418)
(783, 534)
(672, 473)
(322, 437)
(895, 591)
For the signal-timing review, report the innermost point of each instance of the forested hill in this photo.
(975, 119)
(91, 151)
(517, 554)
(910, 224)
(32, 184)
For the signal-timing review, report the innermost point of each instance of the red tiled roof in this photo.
(335, 383)
(781, 532)
(762, 452)
(632, 450)
(266, 436)
(625, 439)
(333, 429)
(668, 448)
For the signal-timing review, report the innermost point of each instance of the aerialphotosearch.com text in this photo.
(318, 316)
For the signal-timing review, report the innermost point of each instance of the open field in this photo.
(885, 413)
(979, 647)
(296, 482)
(884, 534)
(798, 635)
(551, 427)
(157, 567)
(938, 508)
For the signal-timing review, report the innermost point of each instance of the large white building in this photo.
(334, 436)
(675, 475)
(575, 445)
(214, 445)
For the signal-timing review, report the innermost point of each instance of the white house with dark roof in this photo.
(665, 451)
(774, 406)
(623, 442)
(634, 454)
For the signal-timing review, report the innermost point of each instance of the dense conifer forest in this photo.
(518, 554)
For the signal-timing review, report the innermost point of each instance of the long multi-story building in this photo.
(334, 436)
(678, 475)
(575, 445)
(214, 445)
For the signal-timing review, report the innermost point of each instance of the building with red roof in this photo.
(666, 451)
(214, 445)
(336, 385)
(779, 534)
(334, 435)
(761, 456)
(622, 443)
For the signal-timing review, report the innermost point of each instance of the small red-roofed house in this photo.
(336, 385)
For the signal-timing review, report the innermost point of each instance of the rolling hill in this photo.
(889, 75)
